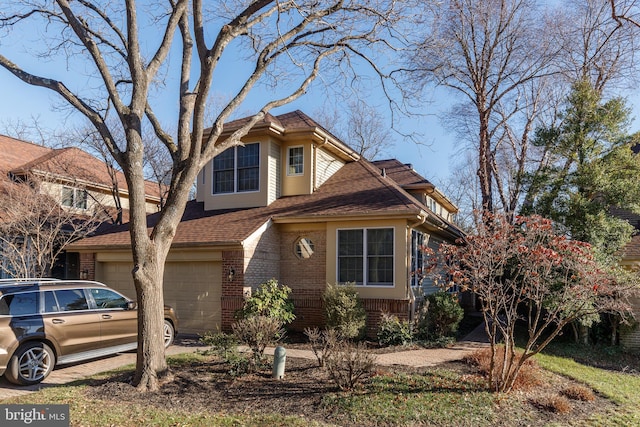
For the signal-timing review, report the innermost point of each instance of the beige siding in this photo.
(275, 166)
(630, 337)
(326, 165)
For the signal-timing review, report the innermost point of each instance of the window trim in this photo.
(365, 257)
(235, 171)
(289, 165)
(77, 194)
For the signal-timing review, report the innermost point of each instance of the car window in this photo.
(50, 303)
(71, 300)
(106, 298)
(19, 304)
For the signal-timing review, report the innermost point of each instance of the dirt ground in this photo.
(207, 386)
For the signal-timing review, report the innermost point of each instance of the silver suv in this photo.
(48, 322)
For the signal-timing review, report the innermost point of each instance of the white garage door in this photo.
(192, 288)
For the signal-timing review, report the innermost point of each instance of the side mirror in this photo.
(132, 305)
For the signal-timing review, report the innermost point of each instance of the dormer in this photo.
(285, 155)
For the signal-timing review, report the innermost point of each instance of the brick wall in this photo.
(261, 258)
(231, 294)
(88, 265)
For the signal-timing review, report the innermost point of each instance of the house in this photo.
(79, 181)
(630, 337)
(296, 204)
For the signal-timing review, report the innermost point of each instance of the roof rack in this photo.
(27, 280)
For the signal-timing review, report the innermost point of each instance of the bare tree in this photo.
(488, 52)
(126, 46)
(35, 229)
(361, 126)
(594, 47)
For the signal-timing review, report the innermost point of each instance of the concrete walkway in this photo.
(417, 358)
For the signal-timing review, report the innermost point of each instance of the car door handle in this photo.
(106, 316)
(57, 321)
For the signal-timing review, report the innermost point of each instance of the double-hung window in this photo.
(74, 197)
(365, 256)
(237, 169)
(295, 161)
(418, 246)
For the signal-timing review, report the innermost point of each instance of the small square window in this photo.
(295, 161)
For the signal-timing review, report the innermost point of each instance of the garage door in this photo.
(192, 288)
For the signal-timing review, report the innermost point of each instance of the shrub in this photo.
(271, 300)
(579, 392)
(225, 346)
(344, 310)
(322, 342)
(221, 344)
(556, 404)
(349, 364)
(394, 331)
(258, 332)
(528, 377)
(439, 317)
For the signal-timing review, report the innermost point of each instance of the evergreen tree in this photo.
(587, 167)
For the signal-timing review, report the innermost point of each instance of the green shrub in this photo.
(225, 346)
(221, 344)
(439, 317)
(394, 331)
(345, 312)
(271, 300)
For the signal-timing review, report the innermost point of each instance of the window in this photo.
(108, 299)
(295, 161)
(418, 245)
(20, 304)
(431, 204)
(71, 300)
(365, 256)
(74, 197)
(237, 169)
(304, 248)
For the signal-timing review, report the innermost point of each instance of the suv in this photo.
(48, 322)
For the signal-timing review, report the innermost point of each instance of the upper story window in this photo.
(237, 169)
(74, 197)
(295, 161)
(431, 204)
(365, 256)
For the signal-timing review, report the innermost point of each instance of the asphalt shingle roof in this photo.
(357, 189)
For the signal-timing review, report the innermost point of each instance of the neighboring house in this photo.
(630, 337)
(298, 205)
(80, 182)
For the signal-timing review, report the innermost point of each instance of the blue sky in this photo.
(432, 159)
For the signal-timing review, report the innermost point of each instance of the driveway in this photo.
(74, 372)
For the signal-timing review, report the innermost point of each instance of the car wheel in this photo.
(30, 364)
(169, 333)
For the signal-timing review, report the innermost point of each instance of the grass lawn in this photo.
(448, 396)
(621, 388)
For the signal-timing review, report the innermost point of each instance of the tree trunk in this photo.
(151, 364)
(484, 163)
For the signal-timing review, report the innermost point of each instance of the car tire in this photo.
(168, 334)
(31, 363)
